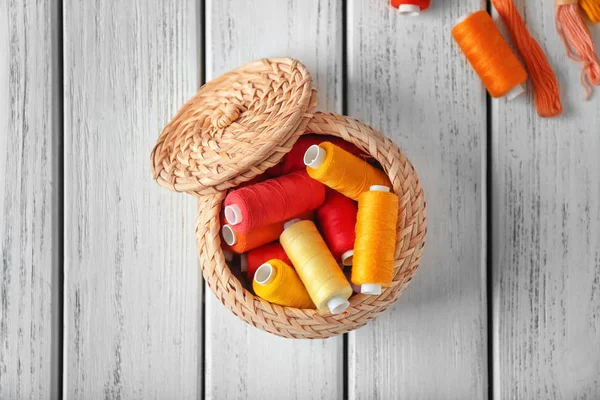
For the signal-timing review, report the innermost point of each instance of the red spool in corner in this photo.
(411, 7)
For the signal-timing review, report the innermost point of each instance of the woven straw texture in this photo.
(313, 324)
(236, 127)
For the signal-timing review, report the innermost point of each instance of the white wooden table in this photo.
(101, 294)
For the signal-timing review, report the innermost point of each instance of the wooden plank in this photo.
(132, 309)
(241, 361)
(29, 140)
(546, 235)
(407, 78)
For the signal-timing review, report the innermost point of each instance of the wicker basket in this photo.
(243, 123)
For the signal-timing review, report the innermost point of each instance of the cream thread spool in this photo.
(316, 277)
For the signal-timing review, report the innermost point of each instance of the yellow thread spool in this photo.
(375, 245)
(278, 283)
(316, 267)
(341, 170)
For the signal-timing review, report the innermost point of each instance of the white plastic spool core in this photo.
(233, 214)
(264, 274)
(347, 258)
(370, 288)
(315, 156)
(337, 304)
(379, 188)
(515, 92)
(290, 223)
(228, 235)
(409, 9)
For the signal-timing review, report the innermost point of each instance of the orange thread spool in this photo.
(545, 84)
(575, 34)
(411, 7)
(489, 54)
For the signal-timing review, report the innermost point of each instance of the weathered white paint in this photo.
(241, 361)
(408, 79)
(29, 140)
(546, 235)
(132, 308)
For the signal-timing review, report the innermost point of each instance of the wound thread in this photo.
(274, 200)
(374, 248)
(591, 9)
(490, 56)
(316, 267)
(337, 220)
(278, 283)
(342, 171)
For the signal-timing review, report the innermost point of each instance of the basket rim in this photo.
(307, 323)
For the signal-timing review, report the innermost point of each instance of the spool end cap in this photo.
(347, 258)
(315, 156)
(291, 222)
(379, 188)
(264, 274)
(233, 214)
(409, 9)
(338, 304)
(515, 92)
(228, 235)
(370, 288)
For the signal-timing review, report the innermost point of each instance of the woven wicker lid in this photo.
(235, 128)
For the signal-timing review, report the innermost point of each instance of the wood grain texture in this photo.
(241, 361)
(132, 283)
(29, 140)
(546, 235)
(407, 78)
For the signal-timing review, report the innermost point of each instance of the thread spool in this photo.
(337, 219)
(257, 257)
(273, 201)
(411, 7)
(316, 267)
(278, 283)
(240, 242)
(543, 79)
(342, 171)
(591, 9)
(294, 160)
(374, 249)
(490, 56)
(578, 42)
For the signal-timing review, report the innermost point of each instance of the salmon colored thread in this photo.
(318, 270)
(272, 201)
(373, 265)
(257, 257)
(592, 9)
(489, 55)
(545, 85)
(342, 171)
(574, 33)
(278, 283)
(337, 219)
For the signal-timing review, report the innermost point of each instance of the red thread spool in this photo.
(257, 257)
(411, 7)
(294, 160)
(274, 200)
(337, 219)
